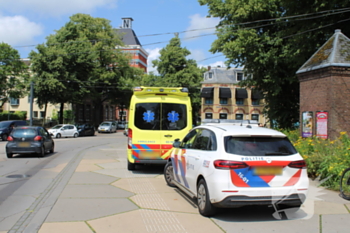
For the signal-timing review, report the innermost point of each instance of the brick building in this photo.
(223, 98)
(132, 45)
(325, 89)
(138, 58)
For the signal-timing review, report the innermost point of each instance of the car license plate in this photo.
(24, 144)
(149, 154)
(267, 171)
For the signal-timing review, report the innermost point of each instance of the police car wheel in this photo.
(169, 174)
(203, 201)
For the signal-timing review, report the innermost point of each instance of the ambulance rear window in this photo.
(160, 116)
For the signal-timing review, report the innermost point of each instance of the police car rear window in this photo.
(261, 146)
(160, 116)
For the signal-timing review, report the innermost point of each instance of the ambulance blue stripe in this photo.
(144, 146)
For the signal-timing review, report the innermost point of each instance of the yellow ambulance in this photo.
(157, 116)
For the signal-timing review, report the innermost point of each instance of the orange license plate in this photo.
(149, 154)
(267, 171)
(24, 144)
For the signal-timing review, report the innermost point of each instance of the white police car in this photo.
(235, 164)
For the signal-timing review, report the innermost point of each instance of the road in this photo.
(85, 187)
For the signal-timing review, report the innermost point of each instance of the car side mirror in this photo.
(177, 143)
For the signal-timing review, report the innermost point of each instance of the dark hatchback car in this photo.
(28, 140)
(85, 129)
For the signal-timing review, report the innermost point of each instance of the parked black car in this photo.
(7, 126)
(28, 140)
(85, 129)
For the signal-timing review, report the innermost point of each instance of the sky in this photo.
(26, 23)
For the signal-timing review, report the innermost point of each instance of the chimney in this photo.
(209, 68)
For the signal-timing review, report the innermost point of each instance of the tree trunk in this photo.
(61, 114)
(45, 109)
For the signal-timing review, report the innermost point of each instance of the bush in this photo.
(325, 159)
(18, 115)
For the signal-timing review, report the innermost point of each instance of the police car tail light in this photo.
(129, 138)
(297, 164)
(227, 164)
(9, 138)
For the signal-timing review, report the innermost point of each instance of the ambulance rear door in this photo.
(176, 121)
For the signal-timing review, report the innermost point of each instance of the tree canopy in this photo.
(175, 70)
(272, 39)
(13, 74)
(80, 60)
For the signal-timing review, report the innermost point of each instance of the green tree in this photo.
(13, 74)
(175, 70)
(272, 40)
(80, 61)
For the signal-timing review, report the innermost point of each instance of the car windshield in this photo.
(261, 146)
(105, 124)
(57, 127)
(24, 133)
(4, 124)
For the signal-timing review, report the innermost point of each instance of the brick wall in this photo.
(327, 89)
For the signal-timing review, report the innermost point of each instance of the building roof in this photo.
(335, 52)
(222, 75)
(128, 36)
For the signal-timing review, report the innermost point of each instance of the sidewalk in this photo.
(103, 196)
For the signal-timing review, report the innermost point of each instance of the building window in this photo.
(239, 101)
(210, 75)
(208, 101)
(14, 101)
(208, 115)
(255, 117)
(240, 77)
(239, 116)
(223, 115)
(88, 112)
(106, 113)
(111, 113)
(35, 114)
(42, 114)
(256, 102)
(223, 100)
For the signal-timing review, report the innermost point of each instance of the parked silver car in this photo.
(107, 127)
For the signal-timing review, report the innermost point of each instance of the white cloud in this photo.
(153, 54)
(18, 30)
(55, 8)
(201, 25)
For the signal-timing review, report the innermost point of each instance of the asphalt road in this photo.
(85, 187)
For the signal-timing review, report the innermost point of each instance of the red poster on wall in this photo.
(321, 124)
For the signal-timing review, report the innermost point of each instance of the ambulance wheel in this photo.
(169, 174)
(131, 166)
(203, 200)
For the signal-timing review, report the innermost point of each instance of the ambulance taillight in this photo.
(129, 138)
